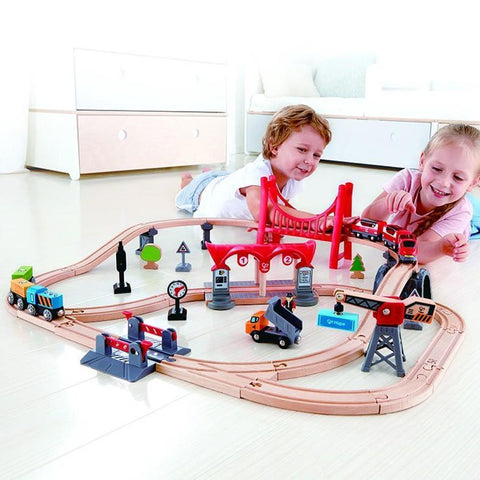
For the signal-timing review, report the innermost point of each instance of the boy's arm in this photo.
(253, 195)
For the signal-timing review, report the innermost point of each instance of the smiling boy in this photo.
(291, 150)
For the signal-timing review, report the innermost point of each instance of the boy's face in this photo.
(298, 156)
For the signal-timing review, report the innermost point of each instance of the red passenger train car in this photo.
(368, 229)
(396, 238)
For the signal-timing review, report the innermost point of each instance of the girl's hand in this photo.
(399, 201)
(455, 245)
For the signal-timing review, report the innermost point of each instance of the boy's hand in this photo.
(329, 221)
(399, 201)
(347, 221)
(455, 245)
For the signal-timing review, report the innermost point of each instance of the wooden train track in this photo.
(260, 381)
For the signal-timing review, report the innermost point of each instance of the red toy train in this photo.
(394, 237)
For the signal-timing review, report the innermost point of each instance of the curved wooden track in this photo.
(259, 381)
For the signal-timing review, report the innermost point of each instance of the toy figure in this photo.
(289, 302)
(338, 308)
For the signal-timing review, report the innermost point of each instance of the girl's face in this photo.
(298, 156)
(448, 172)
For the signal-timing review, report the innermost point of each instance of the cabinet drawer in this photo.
(130, 142)
(377, 142)
(113, 81)
(365, 141)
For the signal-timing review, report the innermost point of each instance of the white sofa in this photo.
(380, 114)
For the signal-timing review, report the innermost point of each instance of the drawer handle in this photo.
(196, 133)
(122, 135)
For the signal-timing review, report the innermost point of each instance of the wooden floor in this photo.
(59, 419)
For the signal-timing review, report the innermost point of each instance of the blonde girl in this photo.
(431, 201)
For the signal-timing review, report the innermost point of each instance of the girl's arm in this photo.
(387, 203)
(432, 246)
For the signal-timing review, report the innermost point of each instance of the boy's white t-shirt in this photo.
(457, 220)
(222, 198)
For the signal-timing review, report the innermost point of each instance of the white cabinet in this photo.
(367, 141)
(113, 81)
(377, 142)
(126, 112)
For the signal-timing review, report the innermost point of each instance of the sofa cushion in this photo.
(342, 75)
(351, 107)
(291, 80)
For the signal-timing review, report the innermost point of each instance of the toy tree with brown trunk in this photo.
(151, 253)
(357, 267)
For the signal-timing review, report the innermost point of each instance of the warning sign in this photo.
(183, 248)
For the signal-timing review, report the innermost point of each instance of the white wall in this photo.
(437, 37)
(427, 32)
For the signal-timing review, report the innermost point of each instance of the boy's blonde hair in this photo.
(460, 134)
(289, 119)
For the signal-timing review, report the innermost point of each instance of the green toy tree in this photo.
(357, 267)
(151, 253)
